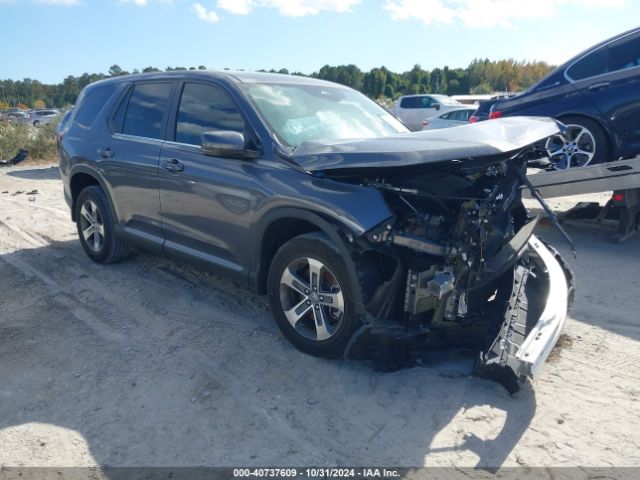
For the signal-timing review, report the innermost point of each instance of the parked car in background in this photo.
(596, 95)
(18, 116)
(451, 118)
(310, 192)
(43, 117)
(484, 108)
(413, 109)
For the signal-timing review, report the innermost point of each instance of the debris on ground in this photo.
(564, 342)
(20, 157)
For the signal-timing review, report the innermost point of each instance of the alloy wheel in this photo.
(576, 149)
(312, 299)
(92, 226)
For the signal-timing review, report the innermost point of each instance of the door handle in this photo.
(106, 152)
(599, 86)
(172, 165)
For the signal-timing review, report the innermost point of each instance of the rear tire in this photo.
(96, 227)
(312, 296)
(587, 144)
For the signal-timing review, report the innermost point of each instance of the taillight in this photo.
(473, 119)
(618, 197)
(496, 114)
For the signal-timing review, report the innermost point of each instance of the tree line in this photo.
(482, 76)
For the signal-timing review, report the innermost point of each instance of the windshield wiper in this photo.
(284, 155)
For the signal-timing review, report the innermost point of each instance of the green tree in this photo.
(116, 71)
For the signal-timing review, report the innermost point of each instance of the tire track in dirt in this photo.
(66, 299)
(89, 298)
(65, 215)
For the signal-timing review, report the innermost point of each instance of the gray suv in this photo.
(360, 232)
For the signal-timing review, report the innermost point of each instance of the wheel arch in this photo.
(280, 226)
(81, 178)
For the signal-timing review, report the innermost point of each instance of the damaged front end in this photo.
(459, 264)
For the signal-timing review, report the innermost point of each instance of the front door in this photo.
(207, 202)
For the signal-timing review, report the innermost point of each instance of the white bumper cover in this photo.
(543, 337)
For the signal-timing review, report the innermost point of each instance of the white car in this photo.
(43, 117)
(452, 118)
(413, 109)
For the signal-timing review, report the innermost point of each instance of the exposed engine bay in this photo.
(458, 261)
(451, 226)
(461, 265)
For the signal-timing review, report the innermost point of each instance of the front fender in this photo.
(338, 232)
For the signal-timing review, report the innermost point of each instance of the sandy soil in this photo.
(151, 363)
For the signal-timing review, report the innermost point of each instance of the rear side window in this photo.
(146, 109)
(459, 115)
(92, 102)
(593, 64)
(484, 107)
(416, 102)
(204, 108)
(624, 54)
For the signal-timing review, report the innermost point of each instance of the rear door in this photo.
(610, 78)
(207, 202)
(131, 160)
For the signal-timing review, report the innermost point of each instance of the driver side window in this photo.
(204, 108)
(428, 102)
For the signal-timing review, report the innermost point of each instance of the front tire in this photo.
(312, 296)
(96, 227)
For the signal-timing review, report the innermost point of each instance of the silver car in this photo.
(452, 118)
(16, 116)
(413, 109)
(43, 117)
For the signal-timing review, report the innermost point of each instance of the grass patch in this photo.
(39, 142)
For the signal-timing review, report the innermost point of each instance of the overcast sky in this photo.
(50, 39)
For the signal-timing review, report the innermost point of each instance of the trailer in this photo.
(622, 211)
(603, 177)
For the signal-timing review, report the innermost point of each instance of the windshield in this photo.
(300, 113)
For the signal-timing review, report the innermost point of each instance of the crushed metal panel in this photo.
(496, 137)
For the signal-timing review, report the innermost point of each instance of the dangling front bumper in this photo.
(524, 342)
(521, 325)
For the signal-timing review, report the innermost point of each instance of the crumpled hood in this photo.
(494, 137)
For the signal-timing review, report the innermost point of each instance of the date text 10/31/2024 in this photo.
(318, 472)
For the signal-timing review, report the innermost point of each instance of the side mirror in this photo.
(225, 143)
(436, 106)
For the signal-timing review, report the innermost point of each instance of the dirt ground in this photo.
(148, 363)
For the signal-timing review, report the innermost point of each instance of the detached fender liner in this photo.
(529, 331)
